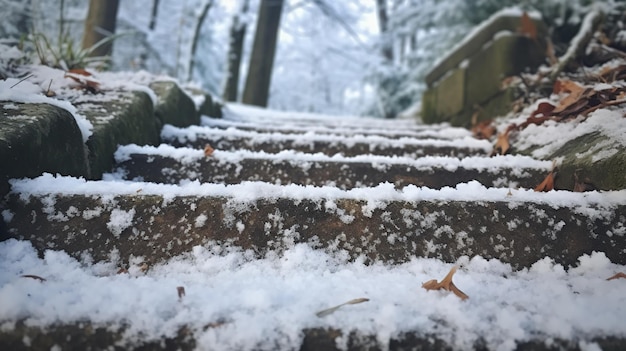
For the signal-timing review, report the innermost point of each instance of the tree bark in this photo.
(154, 14)
(100, 23)
(196, 36)
(383, 23)
(256, 91)
(235, 51)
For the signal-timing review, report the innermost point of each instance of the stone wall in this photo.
(470, 78)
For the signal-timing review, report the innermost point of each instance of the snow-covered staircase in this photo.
(368, 190)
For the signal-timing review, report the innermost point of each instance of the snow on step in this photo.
(246, 113)
(166, 164)
(160, 221)
(235, 139)
(234, 303)
(440, 132)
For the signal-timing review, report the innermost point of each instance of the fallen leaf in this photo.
(213, 325)
(580, 186)
(548, 182)
(208, 150)
(502, 144)
(446, 284)
(181, 292)
(32, 276)
(122, 271)
(331, 310)
(619, 275)
(80, 71)
(484, 130)
(528, 27)
(144, 267)
(89, 84)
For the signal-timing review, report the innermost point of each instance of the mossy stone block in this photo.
(174, 106)
(450, 91)
(122, 118)
(37, 138)
(594, 157)
(429, 106)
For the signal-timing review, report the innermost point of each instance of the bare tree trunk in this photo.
(256, 91)
(235, 51)
(100, 23)
(153, 16)
(383, 23)
(196, 36)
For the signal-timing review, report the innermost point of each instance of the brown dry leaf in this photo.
(208, 150)
(566, 86)
(619, 275)
(81, 71)
(502, 145)
(331, 310)
(91, 85)
(181, 292)
(548, 183)
(122, 271)
(580, 186)
(484, 130)
(144, 267)
(446, 284)
(32, 276)
(528, 27)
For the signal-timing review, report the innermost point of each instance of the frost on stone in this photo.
(120, 220)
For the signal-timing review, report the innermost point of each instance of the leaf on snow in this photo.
(81, 77)
(619, 275)
(208, 150)
(484, 130)
(548, 183)
(181, 292)
(446, 284)
(32, 276)
(331, 310)
(502, 144)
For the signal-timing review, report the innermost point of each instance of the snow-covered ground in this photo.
(267, 303)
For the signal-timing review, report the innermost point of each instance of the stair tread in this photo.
(233, 139)
(168, 164)
(382, 223)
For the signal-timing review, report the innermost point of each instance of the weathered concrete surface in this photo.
(393, 232)
(85, 336)
(344, 175)
(37, 138)
(272, 143)
(174, 106)
(122, 118)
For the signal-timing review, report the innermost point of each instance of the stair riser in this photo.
(327, 148)
(160, 169)
(392, 233)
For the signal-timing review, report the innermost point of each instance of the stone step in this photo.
(80, 336)
(166, 164)
(328, 144)
(430, 132)
(159, 221)
(251, 114)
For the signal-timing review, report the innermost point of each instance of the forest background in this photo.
(360, 57)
